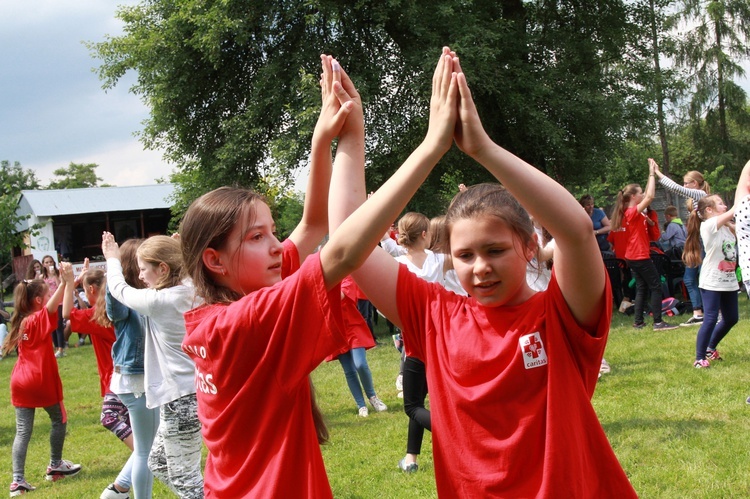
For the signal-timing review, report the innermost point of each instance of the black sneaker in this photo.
(639, 325)
(693, 321)
(664, 326)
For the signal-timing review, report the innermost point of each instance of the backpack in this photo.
(671, 307)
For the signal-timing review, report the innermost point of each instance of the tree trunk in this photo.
(659, 95)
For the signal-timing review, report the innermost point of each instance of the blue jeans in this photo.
(356, 370)
(690, 278)
(144, 422)
(712, 332)
(646, 280)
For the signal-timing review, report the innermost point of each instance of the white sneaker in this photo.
(400, 394)
(65, 468)
(363, 412)
(378, 404)
(400, 382)
(111, 492)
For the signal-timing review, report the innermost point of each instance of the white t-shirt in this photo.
(432, 271)
(720, 262)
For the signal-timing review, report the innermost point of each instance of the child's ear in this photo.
(163, 268)
(212, 261)
(532, 250)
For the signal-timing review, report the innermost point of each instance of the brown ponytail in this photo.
(23, 306)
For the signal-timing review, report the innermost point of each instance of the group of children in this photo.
(709, 250)
(234, 322)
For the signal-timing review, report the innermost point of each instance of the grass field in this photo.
(678, 432)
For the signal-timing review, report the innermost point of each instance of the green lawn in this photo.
(678, 431)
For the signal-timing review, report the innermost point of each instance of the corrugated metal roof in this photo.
(55, 202)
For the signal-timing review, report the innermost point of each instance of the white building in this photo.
(71, 221)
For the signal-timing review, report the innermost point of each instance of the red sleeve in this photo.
(82, 321)
(350, 289)
(289, 258)
(587, 346)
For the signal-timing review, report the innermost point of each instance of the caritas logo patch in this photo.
(533, 351)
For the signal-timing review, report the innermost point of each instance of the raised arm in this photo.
(743, 184)
(336, 106)
(139, 300)
(66, 273)
(354, 235)
(57, 296)
(650, 191)
(550, 204)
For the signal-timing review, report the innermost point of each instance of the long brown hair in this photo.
(30, 272)
(97, 279)
(129, 259)
(24, 295)
(621, 203)
(692, 253)
(438, 239)
(207, 224)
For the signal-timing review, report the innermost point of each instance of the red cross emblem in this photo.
(533, 349)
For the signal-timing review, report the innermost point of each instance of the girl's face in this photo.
(251, 256)
(689, 183)
(490, 261)
(718, 208)
(49, 263)
(150, 273)
(37, 268)
(637, 197)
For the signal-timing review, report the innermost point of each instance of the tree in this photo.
(76, 176)
(715, 43)
(232, 85)
(13, 180)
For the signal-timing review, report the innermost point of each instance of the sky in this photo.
(53, 109)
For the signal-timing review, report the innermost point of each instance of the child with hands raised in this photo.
(710, 226)
(512, 370)
(271, 316)
(35, 379)
(175, 456)
(93, 321)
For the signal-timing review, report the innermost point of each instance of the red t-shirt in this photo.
(357, 333)
(510, 394)
(635, 225)
(82, 321)
(252, 360)
(35, 380)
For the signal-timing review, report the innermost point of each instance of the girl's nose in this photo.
(481, 267)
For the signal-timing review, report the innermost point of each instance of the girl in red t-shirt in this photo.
(94, 322)
(630, 205)
(512, 370)
(35, 380)
(271, 316)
